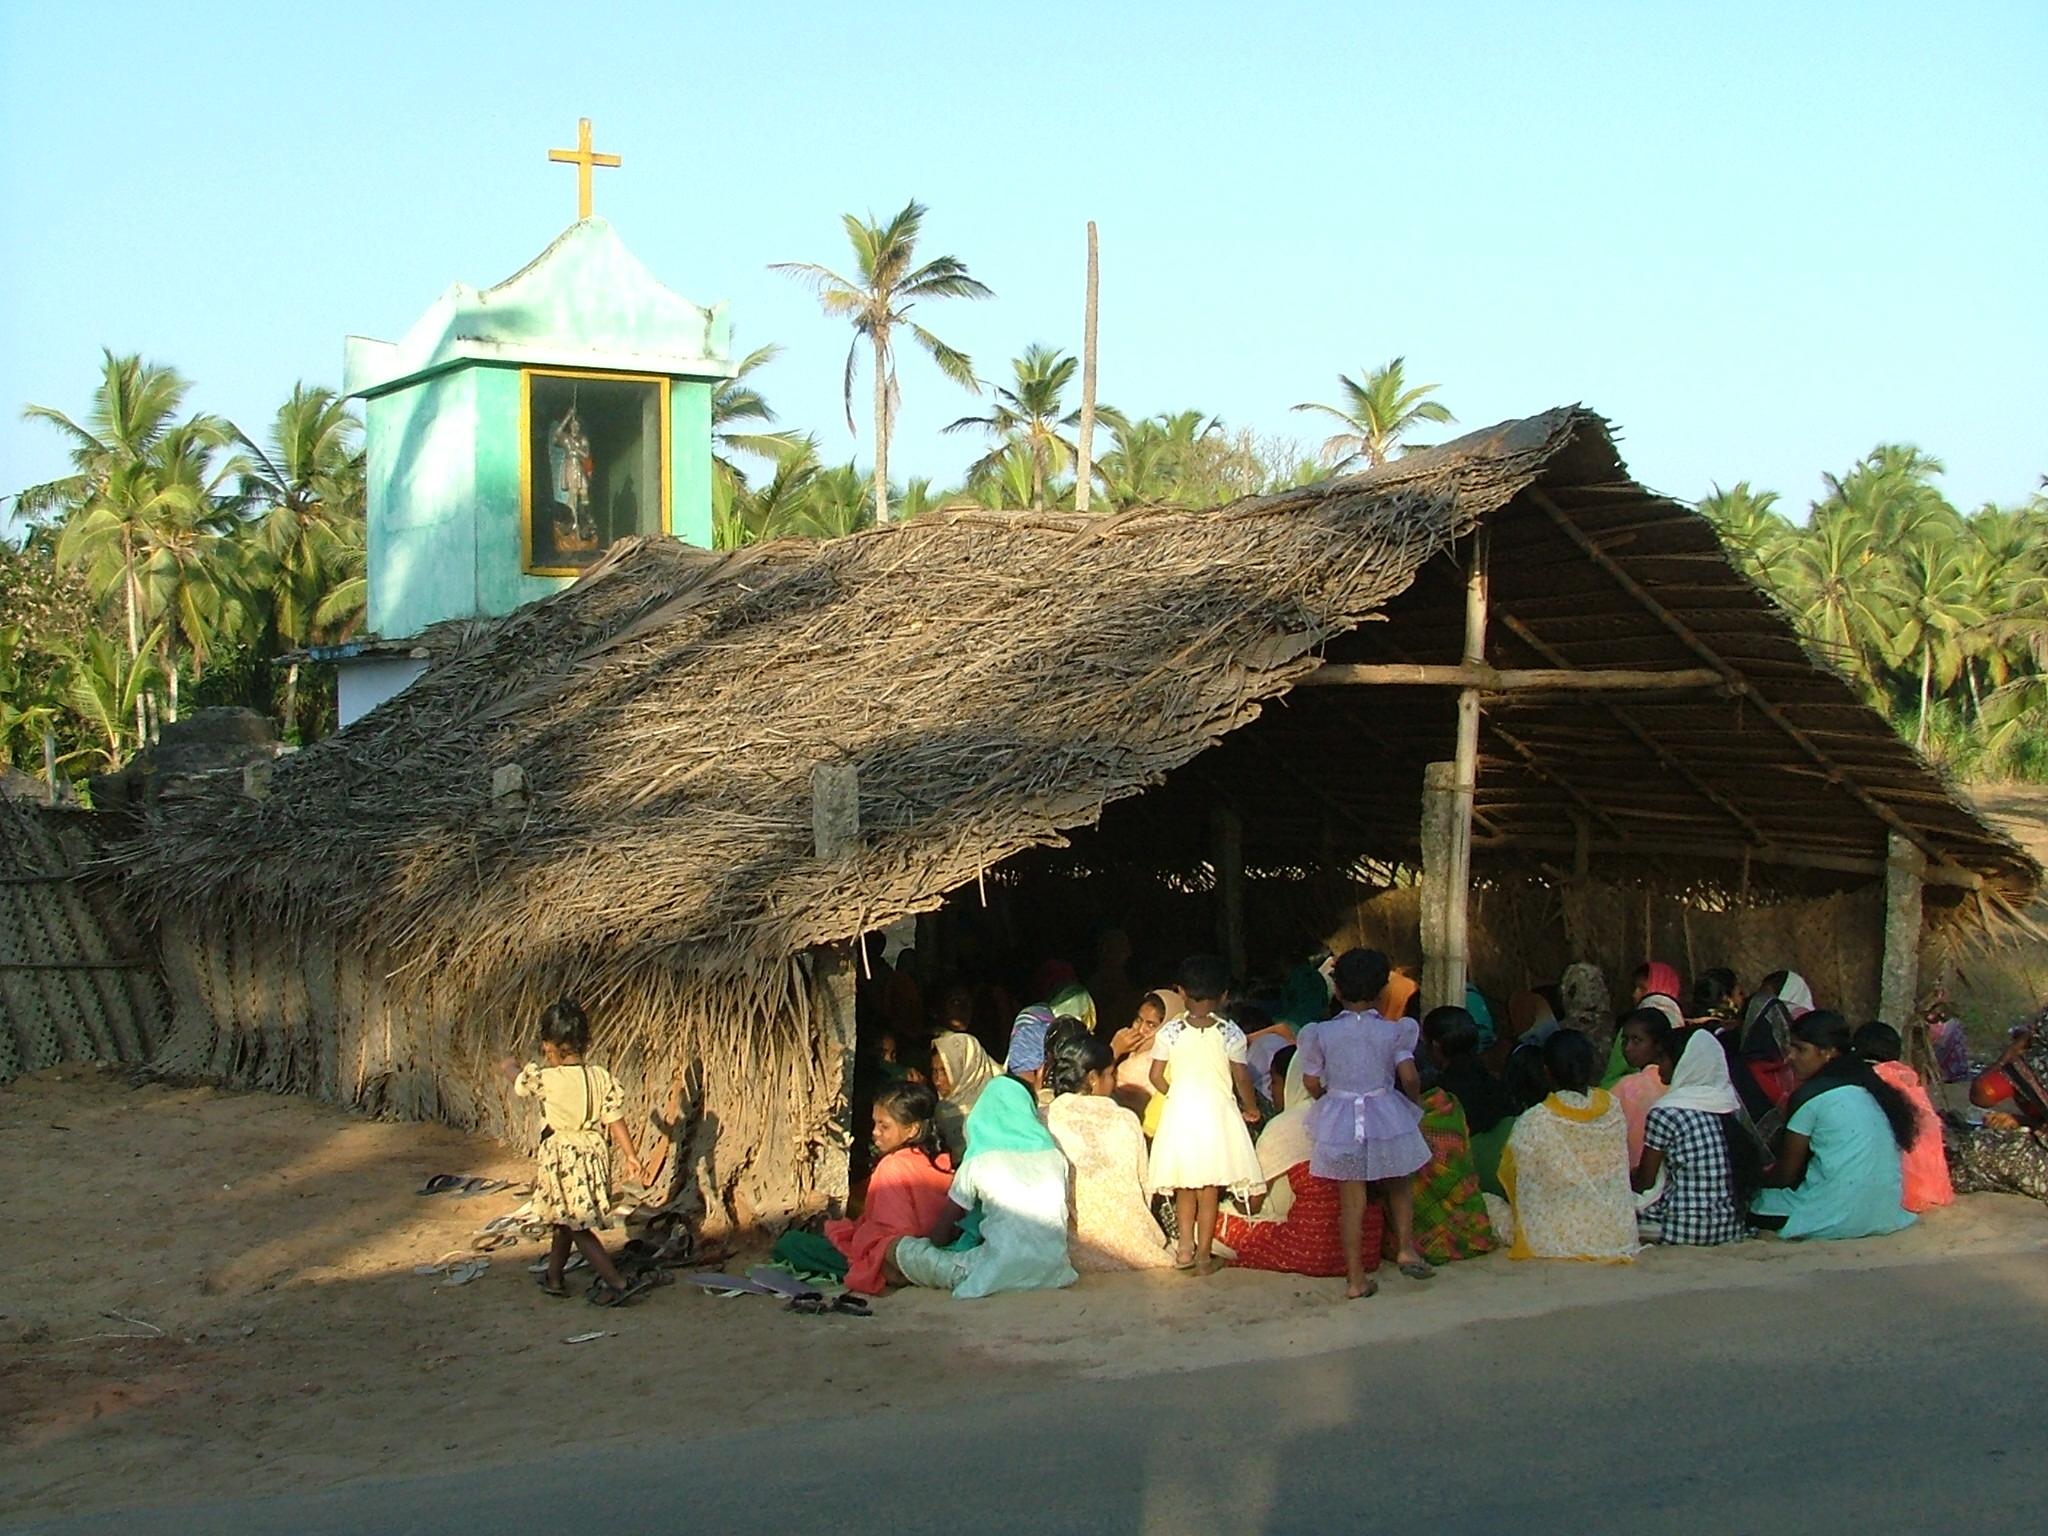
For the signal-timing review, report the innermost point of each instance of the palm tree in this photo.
(1931, 601)
(743, 514)
(1376, 415)
(735, 403)
(1842, 603)
(836, 502)
(133, 410)
(888, 286)
(305, 542)
(1751, 526)
(105, 686)
(1030, 418)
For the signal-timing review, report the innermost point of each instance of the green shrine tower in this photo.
(516, 432)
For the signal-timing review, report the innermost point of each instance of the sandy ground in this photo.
(273, 1242)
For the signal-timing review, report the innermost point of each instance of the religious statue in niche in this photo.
(570, 467)
(598, 470)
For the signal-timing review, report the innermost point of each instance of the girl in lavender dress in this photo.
(1367, 1119)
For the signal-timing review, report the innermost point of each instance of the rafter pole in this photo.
(1713, 658)
(1672, 764)
(1485, 679)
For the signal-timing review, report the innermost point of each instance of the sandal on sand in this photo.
(1415, 1269)
(729, 1285)
(442, 1182)
(553, 1288)
(604, 1295)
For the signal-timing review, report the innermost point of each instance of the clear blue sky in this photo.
(1759, 237)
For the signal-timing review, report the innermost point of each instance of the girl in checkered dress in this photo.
(1698, 1162)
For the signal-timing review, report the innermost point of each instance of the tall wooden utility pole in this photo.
(1084, 440)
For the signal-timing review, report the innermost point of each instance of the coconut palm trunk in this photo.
(881, 426)
(1926, 692)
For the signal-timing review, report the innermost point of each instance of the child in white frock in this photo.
(1203, 1146)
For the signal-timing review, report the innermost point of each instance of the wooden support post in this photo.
(50, 764)
(1898, 993)
(835, 828)
(1226, 835)
(1447, 813)
(1443, 979)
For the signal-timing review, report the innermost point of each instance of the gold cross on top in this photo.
(583, 157)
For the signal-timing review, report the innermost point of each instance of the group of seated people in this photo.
(1326, 1127)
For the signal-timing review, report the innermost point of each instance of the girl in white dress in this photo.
(1203, 1146)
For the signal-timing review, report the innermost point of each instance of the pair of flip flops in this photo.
(766, 1280)
(453, 1269)
(463, 1184)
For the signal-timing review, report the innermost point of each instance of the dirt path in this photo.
(273, 1240)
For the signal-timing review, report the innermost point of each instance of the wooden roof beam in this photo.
(1488, 679)
(1777, 717)
(1672, 763)
(1950, 875)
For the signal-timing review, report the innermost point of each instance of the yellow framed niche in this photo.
(594, 464)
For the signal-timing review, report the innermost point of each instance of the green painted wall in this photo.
(444, 503)
(689, 444)
(421, 443)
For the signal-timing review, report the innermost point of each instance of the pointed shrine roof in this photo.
(584, 302)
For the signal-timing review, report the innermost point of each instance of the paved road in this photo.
(1841, 1403)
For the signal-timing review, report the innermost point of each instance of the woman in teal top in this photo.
(1838, 1172)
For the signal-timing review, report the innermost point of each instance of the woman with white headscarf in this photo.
(1699, 1159)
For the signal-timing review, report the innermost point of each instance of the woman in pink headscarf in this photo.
(1654, 976)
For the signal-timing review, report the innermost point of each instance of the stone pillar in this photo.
(1446, 862)
(1898, 993)
(835, 828)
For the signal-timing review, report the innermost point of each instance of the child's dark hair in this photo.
(1204, 978)
(1453, 1031)
(1655, 1023)
(1829, 1031)
(1712, 989)
(563, 1026)
(1570, 1061)
(1360, 976)
(913, 1103)
(1282, 1060)
(1879, 1042)
(1250, 1017)
(1524, 1079)
(1072, 1051)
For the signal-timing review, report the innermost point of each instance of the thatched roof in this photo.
(999, 679)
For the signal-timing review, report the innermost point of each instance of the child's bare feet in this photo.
(1365, 1288)
(1210, 1266)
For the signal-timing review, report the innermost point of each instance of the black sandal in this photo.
(603, 1294)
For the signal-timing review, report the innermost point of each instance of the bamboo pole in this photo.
(1481, 678)
(1084, 436)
